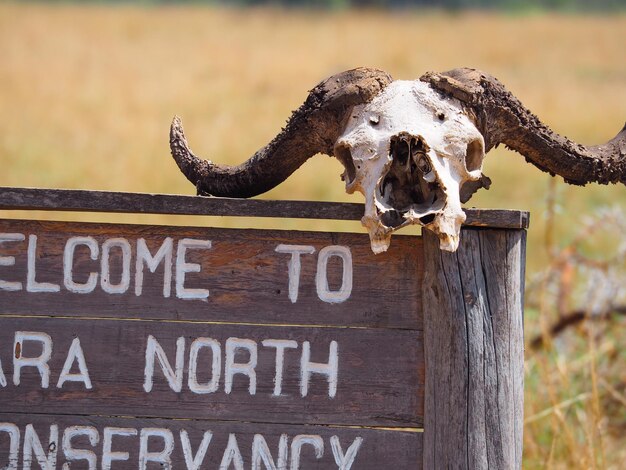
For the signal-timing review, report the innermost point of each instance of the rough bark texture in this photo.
(474, 351)
(313, 128)
(502, 118)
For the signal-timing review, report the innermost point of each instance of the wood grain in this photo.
(246, 278)
(474, 351)
(108, 201)
(379, 448)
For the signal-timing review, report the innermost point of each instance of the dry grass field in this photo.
(87, 94)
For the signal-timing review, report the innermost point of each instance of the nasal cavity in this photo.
(404, 145)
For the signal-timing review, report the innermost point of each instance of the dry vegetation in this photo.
(87, 94)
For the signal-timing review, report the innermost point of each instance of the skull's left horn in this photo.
(502, 118)
(313, 128)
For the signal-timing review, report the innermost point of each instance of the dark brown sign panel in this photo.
(276, 349)
(273, 374)
(205, 274)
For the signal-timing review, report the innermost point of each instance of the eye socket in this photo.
(343, 154)
(474, 155)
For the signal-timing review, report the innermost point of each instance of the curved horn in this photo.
(502, 118)
(313, 128)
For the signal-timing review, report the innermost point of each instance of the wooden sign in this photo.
(136, 346)
(125, 346)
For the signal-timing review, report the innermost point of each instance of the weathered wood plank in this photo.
(378, 375)
(142, 203)
(497, 218)
(375, 449)
(473, 341)
(246, 278)
(106, 201)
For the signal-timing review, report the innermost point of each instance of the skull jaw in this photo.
(439, 210)
(447, 227)
(380, 235)
(445, 223)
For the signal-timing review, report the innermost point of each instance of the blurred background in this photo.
(88, 90)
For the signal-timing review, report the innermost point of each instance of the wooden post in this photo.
(474, 351)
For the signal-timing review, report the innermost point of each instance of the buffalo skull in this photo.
(415, 149)
(410, 151)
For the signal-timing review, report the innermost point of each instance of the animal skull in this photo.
(414, 149)
(410, 151)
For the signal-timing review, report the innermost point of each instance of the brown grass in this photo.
(87, 94)
(576, 387)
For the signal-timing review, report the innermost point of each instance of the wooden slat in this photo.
(120, 202)
(378, 448)
(497, 218)
(380, 378)
(247, 280)
(105, 201)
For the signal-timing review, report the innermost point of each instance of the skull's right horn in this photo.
(501, 118)
(313, 128)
